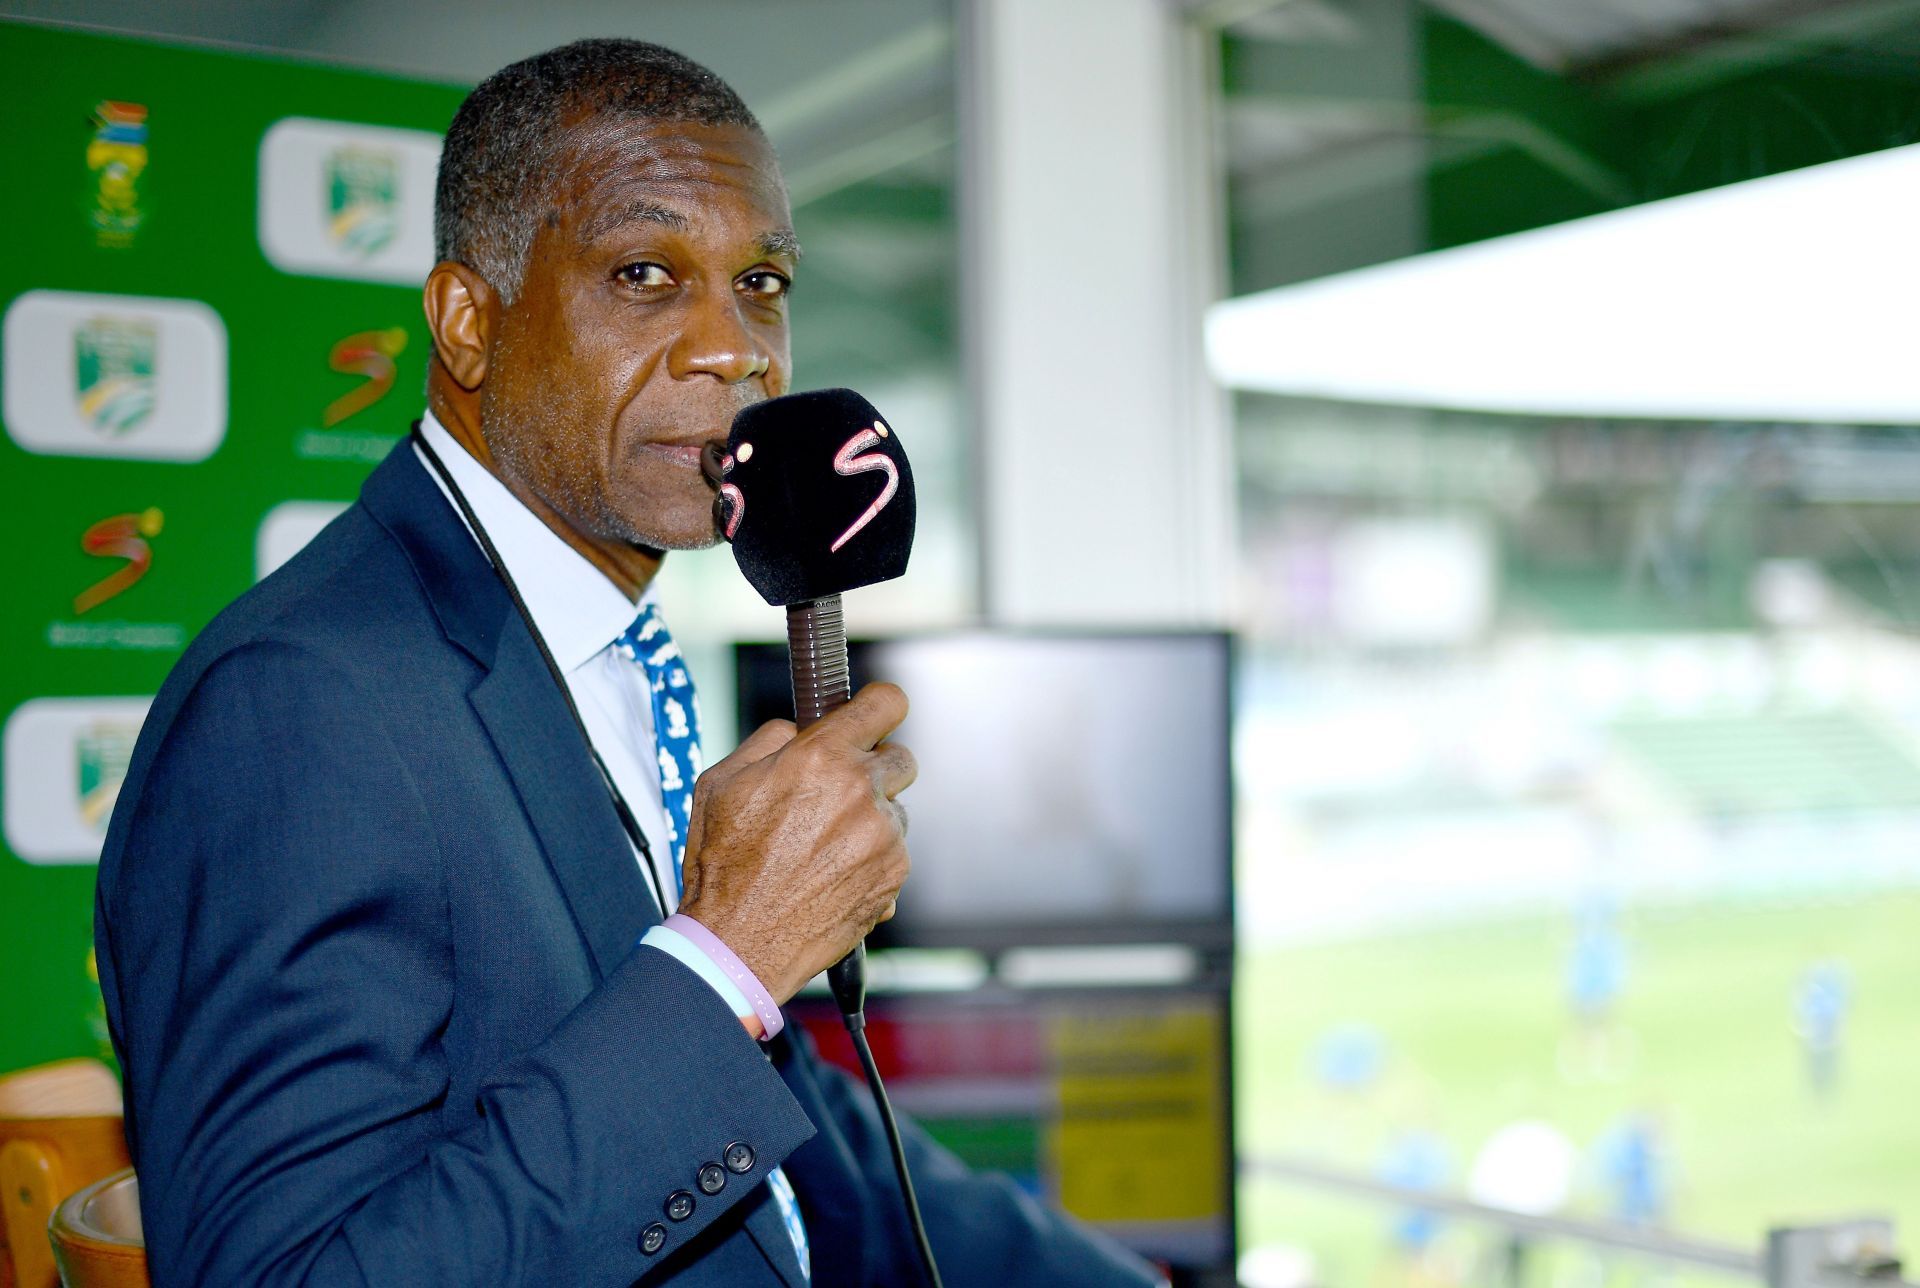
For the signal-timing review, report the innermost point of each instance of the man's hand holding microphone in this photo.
(798, 845)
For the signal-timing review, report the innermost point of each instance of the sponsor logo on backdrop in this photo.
(114, 375)
(97, 1013)
(363, 199)
(124, 536)
(369, 354)
(286, 530)
(117, 156)
(345, 200)
(113, 372)
(65, 761)
(101, 752)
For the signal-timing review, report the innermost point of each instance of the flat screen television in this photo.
(1072, 789)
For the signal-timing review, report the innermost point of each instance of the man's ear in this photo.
(462, 312)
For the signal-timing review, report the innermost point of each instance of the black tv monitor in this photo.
(1072, 789)
(1115, 1104)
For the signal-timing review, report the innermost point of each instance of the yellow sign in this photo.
(1142, 1116)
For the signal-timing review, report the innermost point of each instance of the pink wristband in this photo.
(771, 1021)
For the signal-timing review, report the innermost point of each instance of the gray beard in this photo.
(507, 437)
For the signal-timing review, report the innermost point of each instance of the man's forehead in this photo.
(670, 173)
(640, 203)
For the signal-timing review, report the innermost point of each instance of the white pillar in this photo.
(1090, 245)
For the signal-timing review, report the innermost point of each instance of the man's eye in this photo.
(765, 285)
(645, 273)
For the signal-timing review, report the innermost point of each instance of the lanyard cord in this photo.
(855, 1021)
(627, 820)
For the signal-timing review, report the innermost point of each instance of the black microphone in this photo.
(816, 496)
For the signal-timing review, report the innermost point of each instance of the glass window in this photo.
(1578, 736)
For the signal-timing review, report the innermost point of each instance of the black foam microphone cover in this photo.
(816, 496)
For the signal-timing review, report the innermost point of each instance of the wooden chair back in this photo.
(96, 1235)
(60, 1129)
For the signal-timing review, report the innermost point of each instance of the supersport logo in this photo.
(846, 464)
(369, 354)
(732, 504)
(736, 508)
(121, 537)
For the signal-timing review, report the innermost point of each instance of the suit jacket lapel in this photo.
(531, 729)
(565, 799)
(524, 714)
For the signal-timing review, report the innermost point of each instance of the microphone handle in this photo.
(817, 653)
(817, 648)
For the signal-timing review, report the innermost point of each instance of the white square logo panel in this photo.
(344, 200)
(287, 528)
(65, 761)
(114, 375)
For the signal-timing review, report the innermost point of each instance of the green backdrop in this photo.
(134, 170)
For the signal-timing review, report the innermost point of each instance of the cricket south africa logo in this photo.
(101, 751)
(117, 156)
(370, 354)
(113, 365)
(346, 200)
(124, 536)
(132, 376)
(363, 187)
(65, 759)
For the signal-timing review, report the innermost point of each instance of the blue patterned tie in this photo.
(676, 736)
(789, 1204)
(676, 724)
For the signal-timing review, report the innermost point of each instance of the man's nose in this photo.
(716, 341)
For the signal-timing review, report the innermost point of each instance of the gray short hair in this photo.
(501, 153)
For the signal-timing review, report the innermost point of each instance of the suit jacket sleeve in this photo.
(278, 962)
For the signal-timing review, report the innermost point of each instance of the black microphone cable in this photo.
(856, 1023)
(817, 655)
(817, 635)
(628, 823)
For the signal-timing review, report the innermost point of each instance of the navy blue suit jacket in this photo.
(366, 924)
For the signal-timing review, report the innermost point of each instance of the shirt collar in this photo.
(577, 608)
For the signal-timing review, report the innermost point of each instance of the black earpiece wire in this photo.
(856, 1021)
(628, 822)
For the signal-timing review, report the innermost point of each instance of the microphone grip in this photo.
(817, 649)
(817, 654)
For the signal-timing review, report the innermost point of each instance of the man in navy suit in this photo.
(388, 977)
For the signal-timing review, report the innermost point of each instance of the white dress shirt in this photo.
(581, 614)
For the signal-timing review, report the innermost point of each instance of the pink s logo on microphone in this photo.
(846, 464)
(736, 508)
(736, 503)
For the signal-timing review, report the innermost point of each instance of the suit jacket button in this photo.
(739, 1156)
(713, 1178)
(653, 1238)
(679, 1205)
